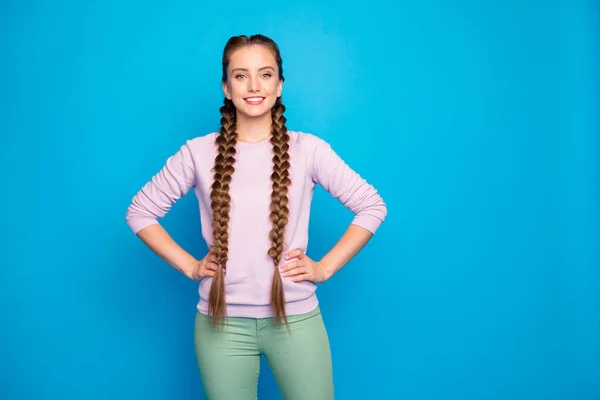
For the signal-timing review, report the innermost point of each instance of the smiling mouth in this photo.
(254, 100)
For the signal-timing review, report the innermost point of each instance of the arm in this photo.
(331, 172)
(158, 240)
(154, 200)
(346, 248)
(356, 194)
(353, 240)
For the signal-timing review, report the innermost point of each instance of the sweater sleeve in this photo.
(346, 185)
(157, 196)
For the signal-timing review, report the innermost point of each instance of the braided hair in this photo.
(223, 170)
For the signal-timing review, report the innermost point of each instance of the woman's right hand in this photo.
(205, 267)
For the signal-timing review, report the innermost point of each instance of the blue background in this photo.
(478, 122)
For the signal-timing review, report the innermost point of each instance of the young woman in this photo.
(254, 181)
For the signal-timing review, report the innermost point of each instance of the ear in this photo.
(225, 90)
(280, 88)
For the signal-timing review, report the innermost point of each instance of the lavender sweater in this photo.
(250, 269)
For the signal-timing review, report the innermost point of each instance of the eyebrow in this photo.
(244, 69)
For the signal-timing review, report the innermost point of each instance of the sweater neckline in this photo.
(250, 145)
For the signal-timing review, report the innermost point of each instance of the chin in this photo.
(254, 113)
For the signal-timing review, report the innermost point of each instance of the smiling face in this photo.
(253, 83)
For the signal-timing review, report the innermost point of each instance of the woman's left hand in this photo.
(304, 268)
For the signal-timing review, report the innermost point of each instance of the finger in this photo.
(210, 273)
(201, 273)
(296, 271)
(289, 266)
(301, 277)
(211, 266)
(297, 253)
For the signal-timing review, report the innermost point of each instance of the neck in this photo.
(253, 129)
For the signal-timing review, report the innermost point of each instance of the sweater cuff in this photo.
(138, 224)
(368, 222)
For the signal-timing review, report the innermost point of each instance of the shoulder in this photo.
(310, 142)
(200, 146)
(206, 140)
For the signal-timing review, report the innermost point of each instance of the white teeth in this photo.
(254, 98)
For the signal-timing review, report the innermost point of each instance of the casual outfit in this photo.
(249, 268)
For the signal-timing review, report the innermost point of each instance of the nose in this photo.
(252, 86)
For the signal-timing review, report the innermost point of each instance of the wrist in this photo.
(328, 270)
(189, 269)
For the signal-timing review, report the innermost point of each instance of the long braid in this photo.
(220, 204)
(279, 205)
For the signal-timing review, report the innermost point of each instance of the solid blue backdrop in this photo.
(477, 122)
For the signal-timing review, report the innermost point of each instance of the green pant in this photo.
(229, 359)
